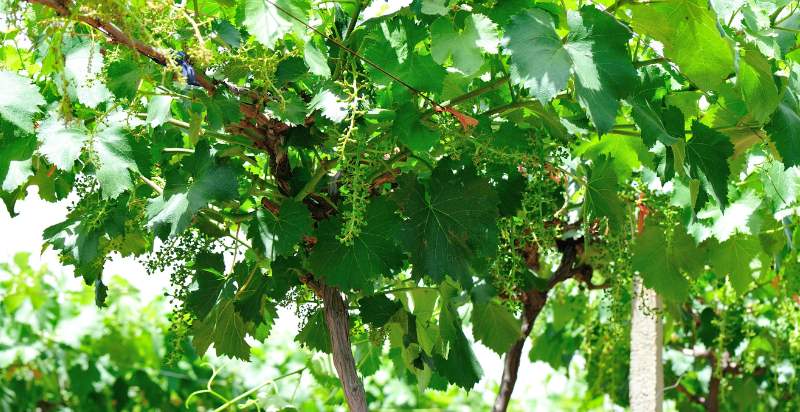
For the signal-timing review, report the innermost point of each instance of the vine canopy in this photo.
(416, 156)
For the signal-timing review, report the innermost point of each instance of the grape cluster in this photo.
(176, 256)
(530, 234)
(354, 188)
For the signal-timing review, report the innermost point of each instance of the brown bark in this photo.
(712, 400)
(339, 327)
(533, 301)
(533, 304)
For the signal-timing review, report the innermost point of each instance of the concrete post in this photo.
(646, 385)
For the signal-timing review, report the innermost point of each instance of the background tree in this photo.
(386, 169)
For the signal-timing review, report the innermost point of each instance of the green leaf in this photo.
(665, 126)
(208, 273)
(389, 48)
(689, 32)
(451, 227)
(531, 40)
(277, 235)
(228, 33)
(733, 258)
(465, 44)
(754, 78)
(83, 68)
(373, 252)
(314, 334)
(79, 245)
(269, 24)
(225, 329)
(781, 185)
(17, 174)
(316, 60)
(496, 327)
(625, 152)
(112, 146)
(595, 49)
(784, 130)
(735, 218)
(657, 266)
(435, 7)
(291, 108)
(15, 159)
(61, 144)
(377, 309)
(601, 194)
(172, 211)
(331, 106)
(554, 346)
(460, 366)
(368, 357)
(597, 45)
(290, 69)
(19, 101)
(158, 110)
(411, 131)
(124, 77)
(707, 154)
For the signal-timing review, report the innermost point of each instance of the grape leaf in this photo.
(276, 235)
(112, 146)
(451, 226)
(158, 110)
(314, 334)
(657, 266)
(17, 174)
(597, 46)
(784, 130)
(389, 49)
(465, 44)
(172, 212)
(20, 100)
(688, 30)
(316, 60)
(626, 153)
(61, 144)
(411, 131)
(707, 154)
(531, 39)
(665, 126)
(595, 50)
(225, 329)
(268, 23)
(124, 77)
(330, 105)
(733, 258)
(208, 273)
(83, 67)
(494, 326)
(460, 366)
(754, 78)
(78, 245)
(377, 309)
(370, 254)
(601, 193)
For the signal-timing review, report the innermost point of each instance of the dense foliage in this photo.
(57, 353)
(388, 168)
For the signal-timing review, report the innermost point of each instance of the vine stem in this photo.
(253, 390)
(336, 319)
(339, 327)
(324, 168)
(533, 302)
